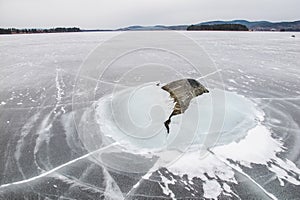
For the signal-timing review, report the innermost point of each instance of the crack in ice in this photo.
(209, 74)
(57, 168)
(277, 98)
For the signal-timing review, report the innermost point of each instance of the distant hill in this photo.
(218, 27)
(251, 25)
(261, 25)
(153, 28)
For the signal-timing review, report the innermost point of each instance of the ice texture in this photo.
(60, 140)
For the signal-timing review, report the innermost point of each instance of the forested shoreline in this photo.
(35, 30)
(218, 27)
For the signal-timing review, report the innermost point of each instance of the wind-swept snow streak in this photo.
(24, 132)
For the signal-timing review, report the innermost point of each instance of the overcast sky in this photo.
(106, 14)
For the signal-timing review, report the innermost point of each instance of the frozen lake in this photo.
(81, 116)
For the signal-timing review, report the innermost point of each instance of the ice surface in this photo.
(60, 139)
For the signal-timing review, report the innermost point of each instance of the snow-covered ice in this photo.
(70, 131)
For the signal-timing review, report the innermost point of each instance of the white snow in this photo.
(251, 149)
(232, 81)
(227, 188)
(259, 147)
(59, 85)
(166, 190)
(165, 186)
(212, 189)
(282, 172)
(196, 163)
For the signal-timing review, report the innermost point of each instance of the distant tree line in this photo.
(218, 27)
(290, 30)
(34, 30)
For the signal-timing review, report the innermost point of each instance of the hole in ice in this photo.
(135, 117)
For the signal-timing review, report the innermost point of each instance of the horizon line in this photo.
(152, 25)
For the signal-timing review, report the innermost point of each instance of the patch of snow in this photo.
(212, 189)
(165, 185)
(232, 81)
(63, 109)
(195, 165)
(259, 147)
(227, 188)
(282, 172)
(244, 152)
